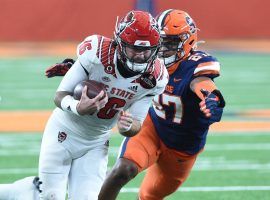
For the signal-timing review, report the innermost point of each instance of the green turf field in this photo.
(245, 82)
(234, 166)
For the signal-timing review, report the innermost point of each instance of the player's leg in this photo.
(5, 191)
(136, 154)
(166, 176)
(88, 173)
(54, 164)
(23, 189)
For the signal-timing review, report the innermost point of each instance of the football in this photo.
(93, 89)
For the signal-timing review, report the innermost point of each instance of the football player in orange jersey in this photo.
(175, 130)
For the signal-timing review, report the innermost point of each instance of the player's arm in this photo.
(80, 71)
(212, 103)
(200, 83)
(64, 95)
(129, 123)
(59, 69)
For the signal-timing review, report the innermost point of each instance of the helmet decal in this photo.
(191, 24)
(126, 22)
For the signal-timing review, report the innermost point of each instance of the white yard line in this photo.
(230, 166)
(8, 148)
(237, 146)
(18, 170)
(208, 189)
(199, 166)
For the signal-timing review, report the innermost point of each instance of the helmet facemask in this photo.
(137, 58)
(179, 36)
(171, 49)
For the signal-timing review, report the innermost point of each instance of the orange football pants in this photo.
(167, 168)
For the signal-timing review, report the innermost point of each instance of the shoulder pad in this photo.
(95, 49)
(105, 54)
(205, 64)
(86, 50)
(158, 69)
(160, 73)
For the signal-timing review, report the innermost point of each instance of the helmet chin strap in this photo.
(169, 61)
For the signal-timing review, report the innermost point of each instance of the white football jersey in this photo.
(97, 60)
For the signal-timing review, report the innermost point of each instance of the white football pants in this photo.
(71, 161)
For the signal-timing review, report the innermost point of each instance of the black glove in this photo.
(213, 105)
(59, 69)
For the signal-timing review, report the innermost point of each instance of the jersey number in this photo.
(167, 100)
(111, 108)
(197, 56)
(86, 45)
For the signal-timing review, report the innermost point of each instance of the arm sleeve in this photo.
(140, 108)
(200, 83)
(75, 75)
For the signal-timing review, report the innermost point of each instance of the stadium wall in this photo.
(70, 20)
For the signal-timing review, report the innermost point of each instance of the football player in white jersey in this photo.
(74, 150)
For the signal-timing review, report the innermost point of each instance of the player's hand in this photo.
(212, 106)
(59, 69)
(90, 106)
(124, 122)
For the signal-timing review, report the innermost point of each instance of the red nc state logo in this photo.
(62, 136)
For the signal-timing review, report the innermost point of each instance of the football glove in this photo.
(213, 104)
(59, 69)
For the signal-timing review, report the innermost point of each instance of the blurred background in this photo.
(37, 34)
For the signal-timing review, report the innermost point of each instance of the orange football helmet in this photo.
(179, 35)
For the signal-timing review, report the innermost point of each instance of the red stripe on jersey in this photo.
(99, 40)
(156, 69)
(105, 53)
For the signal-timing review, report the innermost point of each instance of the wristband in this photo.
(69, 104)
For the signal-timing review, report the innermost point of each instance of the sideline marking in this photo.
(21, 121)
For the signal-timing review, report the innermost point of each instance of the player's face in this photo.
(169, 47)
(138, 55)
